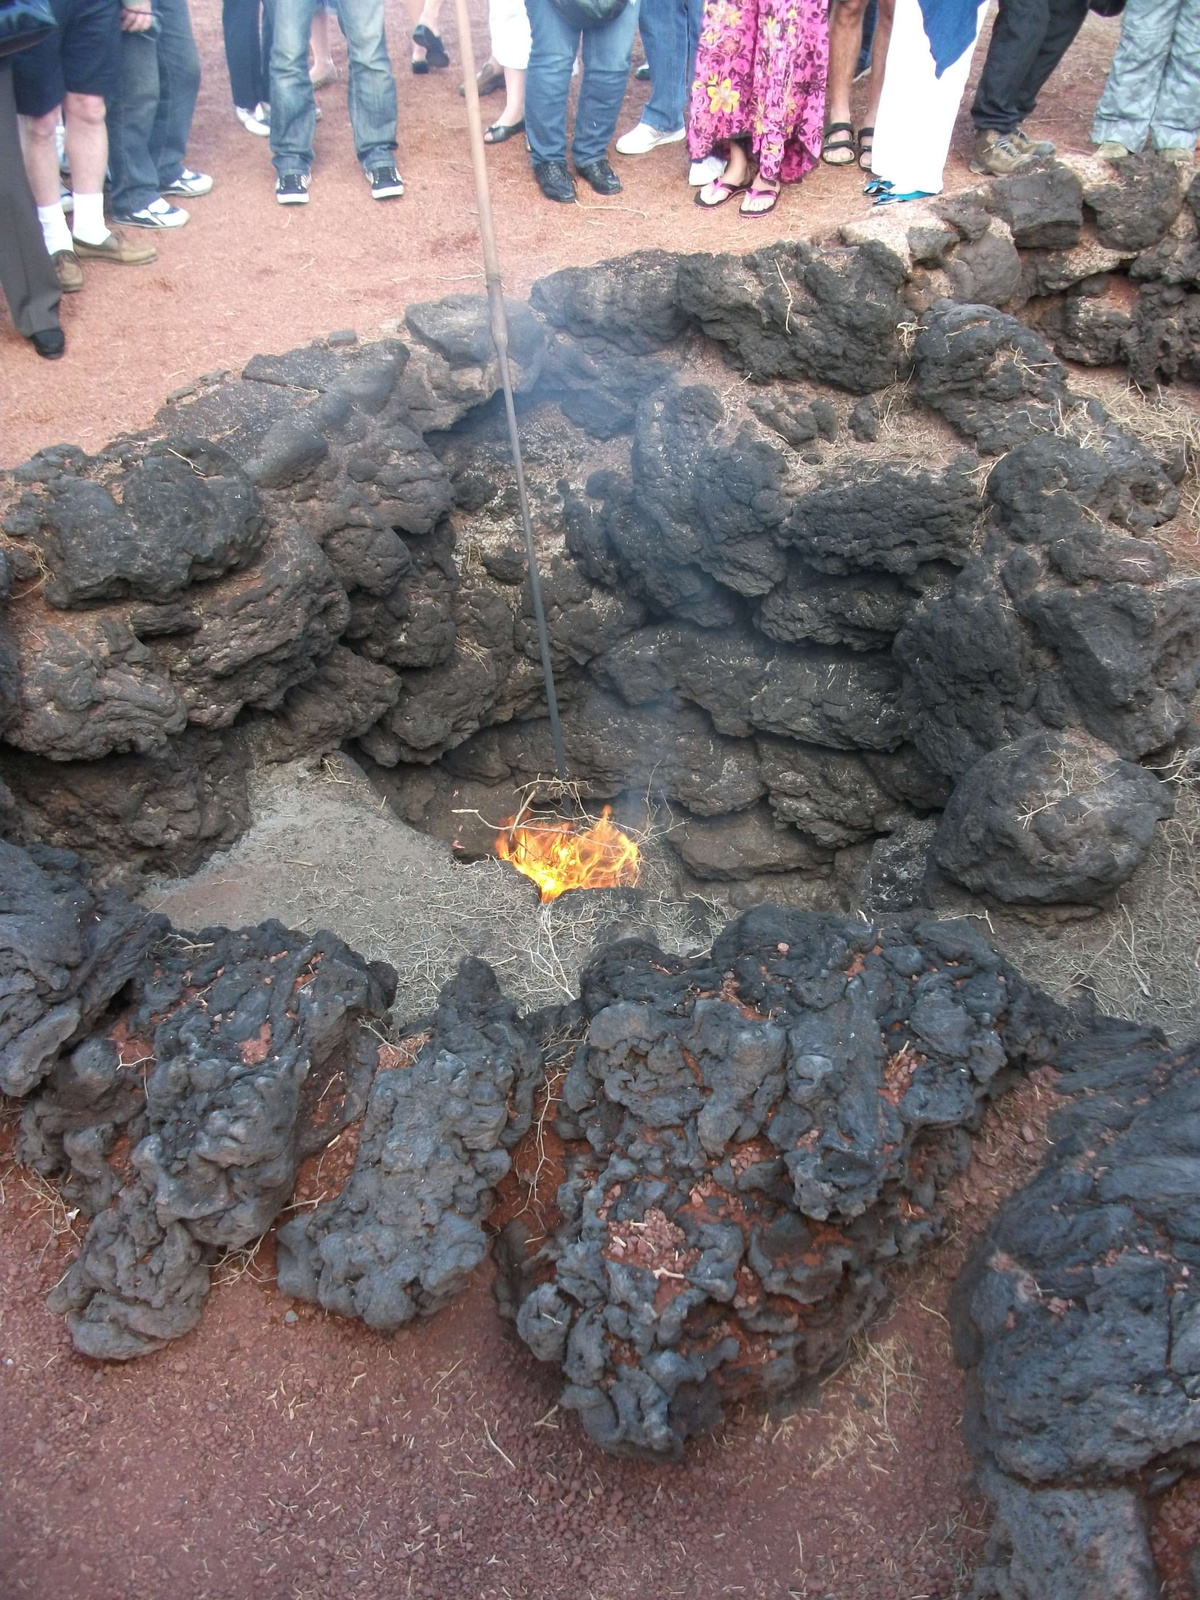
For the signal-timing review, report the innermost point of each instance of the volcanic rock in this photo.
(753, 1134)
(1076, 1319)
(1042, 206)
(1053, 818)
(406, 1231)
(743, 845)
(631, 303)
(988, 374)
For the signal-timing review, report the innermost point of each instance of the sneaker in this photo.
(1110, 150)
(1177, 153)
(115, 247)
(191, 185)
(385, 182)
(66, 200)
(292, 189)
(158, 214)
(68, 271)
(253, 121)
(642, 72)
(1038, 148)
(996, 155)
(706, 171)
(642, 139)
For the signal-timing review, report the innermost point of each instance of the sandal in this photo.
(755, 193)
(500, 131)
(866, 139)
(488, 80)
(430, 42)
(844, 148)
(721, 190)
(889, 198)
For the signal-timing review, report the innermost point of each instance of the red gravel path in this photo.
(246, 275)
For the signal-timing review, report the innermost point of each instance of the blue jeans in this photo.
(371, 93)
(150, 117)
(670, 31)
(605, 72)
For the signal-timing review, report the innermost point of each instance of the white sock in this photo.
(88, 224)
(54, 228)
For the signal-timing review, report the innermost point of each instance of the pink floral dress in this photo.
(760, 73)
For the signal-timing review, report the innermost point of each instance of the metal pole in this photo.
(499, 325)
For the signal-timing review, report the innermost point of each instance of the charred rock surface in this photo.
(1076, 1319)
(406, 1231)
(752, 1136)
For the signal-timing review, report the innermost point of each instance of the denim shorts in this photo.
(83, 57)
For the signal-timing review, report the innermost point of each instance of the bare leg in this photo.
(321, 38)
(845, 42)
(879, 50)
(514, 97)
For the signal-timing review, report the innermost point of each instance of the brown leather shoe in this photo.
(116, 247)
(68, 271)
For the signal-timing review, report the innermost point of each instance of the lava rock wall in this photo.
(823, 528)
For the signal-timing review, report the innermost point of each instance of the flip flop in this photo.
(430, 42)
(828, 145)
(727, 192)
(888, 198)
(877, 186)
(755, 193)
(866, 139)
(500, 131)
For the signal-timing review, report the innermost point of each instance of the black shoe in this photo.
(555, 181)
(292, 189)
(49, 342)
(600, 175)
(385, 182)
(431, 43)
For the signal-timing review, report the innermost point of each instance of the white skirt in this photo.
(917, 109)
(508, 22)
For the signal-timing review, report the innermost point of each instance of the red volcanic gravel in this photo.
(247, 275)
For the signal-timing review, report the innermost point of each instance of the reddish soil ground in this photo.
(279, 1451)
(247, 275)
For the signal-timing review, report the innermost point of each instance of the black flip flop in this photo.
(500, 131)
(430, 42)
(829, 145)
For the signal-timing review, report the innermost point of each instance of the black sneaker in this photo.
(385, 183)
(292, 189)
(600, 175)
(555, 181)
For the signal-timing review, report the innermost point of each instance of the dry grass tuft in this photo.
(879, 1375)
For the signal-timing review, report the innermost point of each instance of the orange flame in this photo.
(558, 857)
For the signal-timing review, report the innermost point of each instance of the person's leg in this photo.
(606, 53)
(508, 24)
(27, 274)
(1066, 19)
(179, 84)
(293, 108)
(322, 70)
(548, 81)
(1135, 78)
(664, 29)
(1018, 35)
(917, 110)
(424, 14)
(131, 118)
(88, 158)
(372, 89)
(1175, 121)
(845, 41)
(879, 52)
(243, 51)
(267, 38)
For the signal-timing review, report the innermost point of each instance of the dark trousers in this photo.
(248, 50)
(151, 117)
(26, 272)
(1029, 39)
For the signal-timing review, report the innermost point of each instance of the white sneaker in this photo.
(158, 214)
(642, 139)
(253, 121)
(189, 184)
(706, 171)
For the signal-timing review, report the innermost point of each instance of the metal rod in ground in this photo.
(499, 326)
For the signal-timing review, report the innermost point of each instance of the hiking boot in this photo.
(600, 175)
(1110, 150)
(68, 271)
(997, 155)
(1179, 154)
(115, 247)
(1038, 148)
(292, 189)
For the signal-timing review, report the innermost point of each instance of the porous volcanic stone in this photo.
(742, 1160)
(988, 374)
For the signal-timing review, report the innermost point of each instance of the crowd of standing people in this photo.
(103, 92)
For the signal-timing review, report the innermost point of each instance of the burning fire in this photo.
(559, 856)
